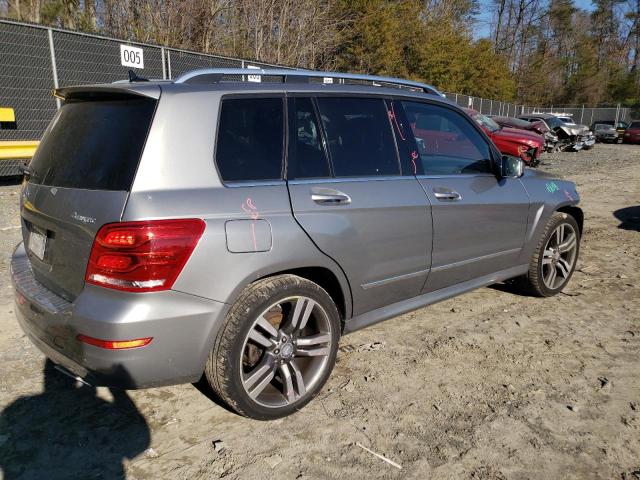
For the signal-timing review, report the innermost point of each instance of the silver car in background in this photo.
(210, 226)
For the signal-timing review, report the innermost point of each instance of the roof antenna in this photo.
(133, 77)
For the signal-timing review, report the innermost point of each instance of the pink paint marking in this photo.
(253, 232)
(568, 195)
(392, 115)
(414, 157)
(250, 209)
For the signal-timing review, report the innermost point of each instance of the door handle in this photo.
(329, 196)
(447, 195)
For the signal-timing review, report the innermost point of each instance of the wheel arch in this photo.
(575, 212)
(327, 280)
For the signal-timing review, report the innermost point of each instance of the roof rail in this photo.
(214, 75)
(557, 114)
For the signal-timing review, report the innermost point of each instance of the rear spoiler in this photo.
(108, 92)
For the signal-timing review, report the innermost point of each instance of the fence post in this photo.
(491, 107)
(617, 113)
(169, 64)
(591, 122)
(457, 99)
(54, 67)
(164, 64)
(582, 113)
(480, 104)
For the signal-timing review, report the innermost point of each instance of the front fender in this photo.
(547, 196)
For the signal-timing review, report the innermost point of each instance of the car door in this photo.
(479, 221)
(348, 193)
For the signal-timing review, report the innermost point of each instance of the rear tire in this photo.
(555, 257)
(276, 348)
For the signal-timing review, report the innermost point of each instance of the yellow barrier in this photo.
(7, 115)
(17, 149)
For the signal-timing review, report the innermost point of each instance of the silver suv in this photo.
(213, 226)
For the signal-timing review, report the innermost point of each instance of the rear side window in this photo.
(634, 125)
(359, 136)
(250, 138)
(447, 142)
(307, 158)
(93, 145)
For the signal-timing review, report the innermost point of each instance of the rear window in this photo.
(250, 139)
(634, 125)
(93, 145)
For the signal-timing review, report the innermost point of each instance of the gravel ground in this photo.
(489, 385)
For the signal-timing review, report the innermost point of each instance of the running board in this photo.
(395, 309)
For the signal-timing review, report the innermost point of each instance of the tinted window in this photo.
(307, 158)
(250, 137)
(447, 142)
(634, 125)
(359, 136)
(93, 144)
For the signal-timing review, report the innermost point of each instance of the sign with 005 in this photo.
(131, 56)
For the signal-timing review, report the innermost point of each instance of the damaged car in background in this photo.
(550, 138)
(567, 118)
(605, 133)
(511, 141)
(570, 138)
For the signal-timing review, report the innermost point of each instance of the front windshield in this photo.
(487, 122)
(554, 122)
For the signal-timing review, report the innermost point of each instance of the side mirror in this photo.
(511, 167)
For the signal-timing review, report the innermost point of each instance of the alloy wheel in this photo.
(286, 351)
(559, 256)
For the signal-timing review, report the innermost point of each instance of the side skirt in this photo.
(384, 313)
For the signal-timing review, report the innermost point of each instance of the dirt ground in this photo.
(489, 385)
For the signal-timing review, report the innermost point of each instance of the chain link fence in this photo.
(37, 59)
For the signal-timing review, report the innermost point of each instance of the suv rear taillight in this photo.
(142, 256)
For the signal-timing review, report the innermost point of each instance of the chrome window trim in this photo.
(254, 183)
(382, 178)
(456, 175)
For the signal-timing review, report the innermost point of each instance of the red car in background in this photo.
(511, 141)
(632, 133)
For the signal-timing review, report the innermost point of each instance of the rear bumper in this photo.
(183, 328)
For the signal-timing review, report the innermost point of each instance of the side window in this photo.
(359, 136)
(250, 138)
(307, 158)
(447, 143)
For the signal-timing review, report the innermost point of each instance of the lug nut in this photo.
(277, 351)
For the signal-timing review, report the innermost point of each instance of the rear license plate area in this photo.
(37, 243)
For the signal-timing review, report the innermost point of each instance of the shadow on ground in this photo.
(629, 218)
(68, 432)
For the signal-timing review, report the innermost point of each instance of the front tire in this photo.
(276, 348)
(555, 257)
